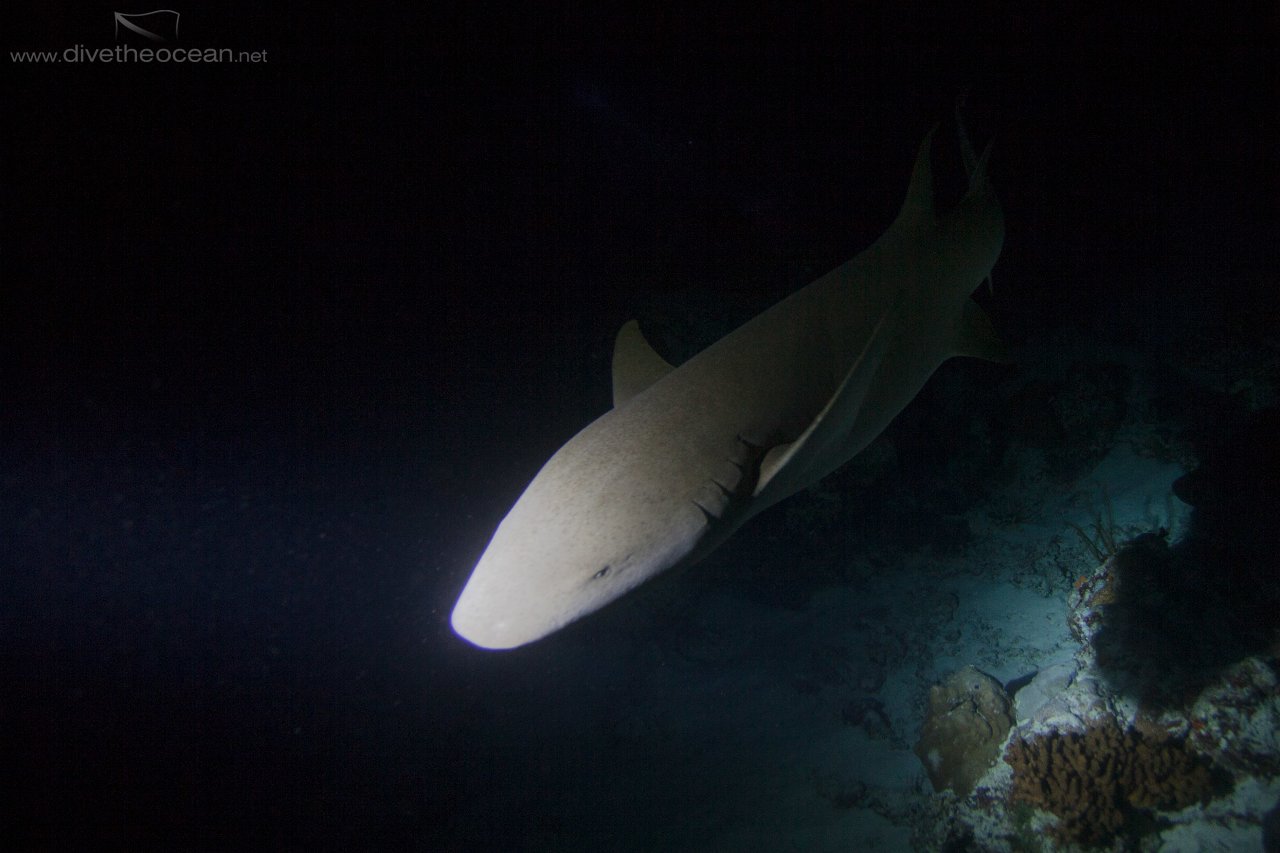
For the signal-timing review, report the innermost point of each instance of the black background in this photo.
(282, 341)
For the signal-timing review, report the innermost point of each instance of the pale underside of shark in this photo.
(688, 454)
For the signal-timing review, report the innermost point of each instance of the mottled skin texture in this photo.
(688, 454)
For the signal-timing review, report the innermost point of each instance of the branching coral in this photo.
(1096, 781)
(1106, 540)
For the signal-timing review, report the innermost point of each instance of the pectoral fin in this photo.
(790, 467)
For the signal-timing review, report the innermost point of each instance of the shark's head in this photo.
(584, 533)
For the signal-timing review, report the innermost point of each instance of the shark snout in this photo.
(479, 627)
(493, 612)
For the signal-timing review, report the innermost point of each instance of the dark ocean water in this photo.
(283, 344)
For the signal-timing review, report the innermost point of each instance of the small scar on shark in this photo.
(689, 453)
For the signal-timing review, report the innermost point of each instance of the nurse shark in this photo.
(688, 454)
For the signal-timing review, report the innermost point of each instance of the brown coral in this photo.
(1095, 781)
(969, 716)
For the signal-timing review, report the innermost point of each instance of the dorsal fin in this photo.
(966, 147)
(974, 167)
(918, 205)
(635, 364)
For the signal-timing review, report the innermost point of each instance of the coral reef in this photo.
(1097, 781)
(1105, 540)
(969, 717)
(1237, 719)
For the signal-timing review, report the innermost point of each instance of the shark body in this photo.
(686, 455)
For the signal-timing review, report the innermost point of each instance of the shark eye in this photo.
(603, 571)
